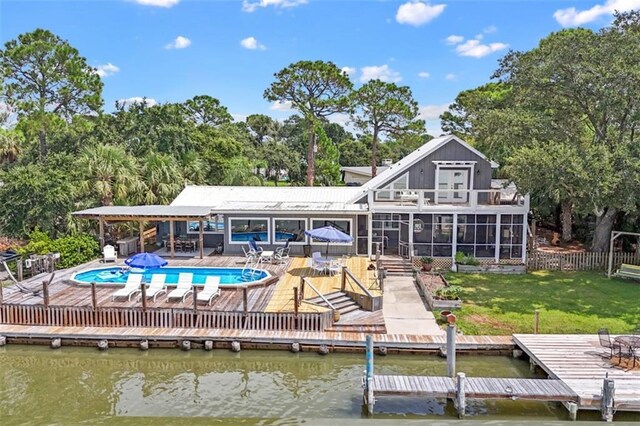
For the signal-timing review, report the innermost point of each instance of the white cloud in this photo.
(107, 69)
(476, 49)
(571, 17)
(423, 74)
(341, 119)
(180, 42)
(454, 39)
(490, 29)
(450, 77)
(350, 71)
(138, 100)
(431, 112)
(281, 106)
(251, 43)
(248, 6)
(382, 72)
(417, 13)
(158, 3)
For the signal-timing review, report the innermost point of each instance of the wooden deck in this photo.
(582, 364)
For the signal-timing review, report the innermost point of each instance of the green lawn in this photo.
(578, 302)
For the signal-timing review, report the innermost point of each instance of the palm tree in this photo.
(195, 169)
(10, 145)
(239, 172)
(163, 178)
(111, 174)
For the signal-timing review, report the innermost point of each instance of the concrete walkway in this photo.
(404, 311)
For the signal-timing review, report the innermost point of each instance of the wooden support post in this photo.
(195, 298)
(536, 321)
(451, 350)
(19, 270)
(343, 283)
(301, 288)
(141, 230)
(171, 248)
(201, 239)
(143, 295)
(1, 295)
(369, 398)
(245, 300)
(101, 232)
(45, 293)
(461, 400)
(573, 410)
(94, 296)
(608, 393)
(295, 300)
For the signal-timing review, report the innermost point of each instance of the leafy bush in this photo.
(74, 249)
(426, 260)
(449, 293)
(463, 259)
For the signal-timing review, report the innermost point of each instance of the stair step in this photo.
(345, 304)
(351, 308)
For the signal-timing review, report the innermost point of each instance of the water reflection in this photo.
(82, 384)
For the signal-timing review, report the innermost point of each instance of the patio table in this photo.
(631, 343)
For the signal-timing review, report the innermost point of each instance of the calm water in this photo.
(164, 386)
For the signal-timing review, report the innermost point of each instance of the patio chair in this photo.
(253, 247)
(157, 286)
(109, 253)
(211, 290)
(281, 255)
(184, 288)
(131, 287)
(605, 341)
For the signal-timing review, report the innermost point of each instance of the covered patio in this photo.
(144, 214)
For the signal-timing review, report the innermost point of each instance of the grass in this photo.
(569, 303)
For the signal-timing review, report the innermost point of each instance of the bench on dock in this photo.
(628, 271)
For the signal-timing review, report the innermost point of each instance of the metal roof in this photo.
(277, 206)
(362, 170)
(247, 198)
(146, 211)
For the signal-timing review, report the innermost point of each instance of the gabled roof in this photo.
(396, 169)
(362, 170)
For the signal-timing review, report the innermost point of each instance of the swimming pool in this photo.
(260, 236)
(115, 275)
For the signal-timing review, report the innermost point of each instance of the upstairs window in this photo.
(394, 189)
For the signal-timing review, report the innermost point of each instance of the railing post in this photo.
(143, 295)
(1, 295)
(608, 393)
(19, 269)
(295, 301)
(451, 350)
(461, 400)
(420, 200)
(245, 300)
(369, 398)
(94, 296)
(45, 293)
(195, 298)
(302, 288)
(343, 282)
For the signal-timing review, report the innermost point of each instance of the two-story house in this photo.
(438, 200)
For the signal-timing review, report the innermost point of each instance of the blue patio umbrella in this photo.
(145, 261)
(330, 235)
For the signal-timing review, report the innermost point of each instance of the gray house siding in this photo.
(422, 174)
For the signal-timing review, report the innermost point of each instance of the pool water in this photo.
(115, 275)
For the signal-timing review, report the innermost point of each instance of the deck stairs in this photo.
(397, 266)
(341, 301)
(353, 319)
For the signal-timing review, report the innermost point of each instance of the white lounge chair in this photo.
(211, 289)
(131, 287)
(109, 253)
(184, 288)
(157, 286)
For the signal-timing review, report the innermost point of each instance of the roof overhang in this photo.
(155, 213)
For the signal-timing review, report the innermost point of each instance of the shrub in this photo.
(449, 293)
(74, 249)
(463, 259)
(426, 260)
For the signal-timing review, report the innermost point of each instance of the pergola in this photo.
(614, 235)
(143, 214)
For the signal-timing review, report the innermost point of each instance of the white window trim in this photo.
(205, 232)
(239, 243)
(463, 165)
(333, 219)
(292, 243)
(391, 190)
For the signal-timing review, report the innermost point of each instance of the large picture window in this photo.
(291, 230)
(213, 226)
(433, 235)
(343, 225)
(476, 235)
(394, 189)
(511, 236)
(245, 229)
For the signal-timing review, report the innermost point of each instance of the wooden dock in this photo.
(582, 364)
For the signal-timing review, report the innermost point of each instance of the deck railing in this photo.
(426, 199)
(84, 316)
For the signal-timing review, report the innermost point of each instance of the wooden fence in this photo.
(80, 316)
(582, 261)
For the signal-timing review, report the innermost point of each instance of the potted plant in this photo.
(427, 263)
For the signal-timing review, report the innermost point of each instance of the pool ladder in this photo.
(251, 266)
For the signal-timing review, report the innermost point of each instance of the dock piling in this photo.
(608, 392)
(460, 401)
(451, 350)
(369, 399)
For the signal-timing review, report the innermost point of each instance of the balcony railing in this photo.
(425, 199)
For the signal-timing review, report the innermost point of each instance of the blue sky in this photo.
(171, 50)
